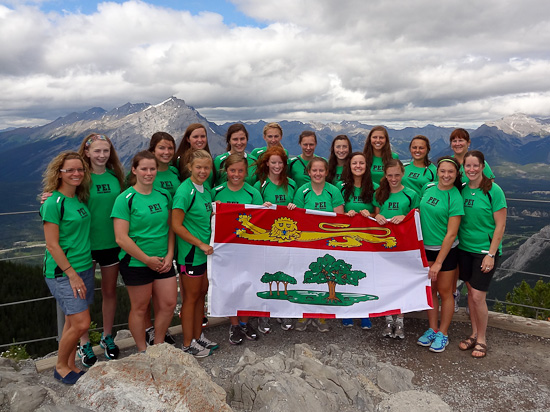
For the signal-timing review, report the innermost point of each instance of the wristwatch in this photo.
(490, 255)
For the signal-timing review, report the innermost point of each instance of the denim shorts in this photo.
(61, 290)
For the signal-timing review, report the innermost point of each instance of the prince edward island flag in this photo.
(301, 263)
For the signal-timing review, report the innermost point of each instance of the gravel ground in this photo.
(515, 375)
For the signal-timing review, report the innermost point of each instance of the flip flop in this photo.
(467, 343)
(481, 348)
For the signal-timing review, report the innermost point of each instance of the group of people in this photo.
(155, 223)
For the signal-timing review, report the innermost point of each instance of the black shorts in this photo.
(450, 262)
(106, 257)
(139, 276)
(193, 271)
(470, 270)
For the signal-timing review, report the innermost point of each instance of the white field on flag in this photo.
(286, 282)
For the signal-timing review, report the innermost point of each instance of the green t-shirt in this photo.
(399, 203)
(297, 170)
(103, 191)
(355, 202)
(329, 198)
(73, 219)
(337, 176)
(416, 177)
(169, 180)
(259, 151)
(221, 175)
(486, 171)
(197, 207)
(276, 194)
(245, 195)
(436, 207)
(148, 221)
(377, 168)
(478, 224)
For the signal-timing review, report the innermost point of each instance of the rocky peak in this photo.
(521, 125)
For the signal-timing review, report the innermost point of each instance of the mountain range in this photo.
(24, 152)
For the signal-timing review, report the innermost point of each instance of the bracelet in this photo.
(490, 255)
(67, 269)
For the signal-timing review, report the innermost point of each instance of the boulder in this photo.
(162, 379)
(394, 379)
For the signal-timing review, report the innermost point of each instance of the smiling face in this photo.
(164, 151)
(394, 174)
(460, 146)
(446, 173)
(358, 165)
(419, 149)
(318, 172)
(275, 164)
(308, 145)
(341, 149)
(145, 172)
(473, 168)
(378, 140)
(197, 139)
(74, 175)
(238, 142)
(273, 137)
(200, 170)
(98, 153)
(236, 173)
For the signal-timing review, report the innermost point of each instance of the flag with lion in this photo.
(302, 263)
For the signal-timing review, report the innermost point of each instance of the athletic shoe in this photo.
(207, 343)
(347, 323)
(427, 338)
(250, 331)
(456, 296)
(264, 326)
(196, 349)
(286, 324)
(439, 343)
(301, 325)
(399, 331)
(321, 324)
(236, 335)
(87, 355)
(111, 349)
(204, 321)
(388, 330)
(366, 323)
(168, 338)
(150, 335)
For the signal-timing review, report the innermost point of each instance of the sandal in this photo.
(481, 348)
(467, 343)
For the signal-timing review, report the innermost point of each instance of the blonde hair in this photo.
(113, 163)
(52, 175)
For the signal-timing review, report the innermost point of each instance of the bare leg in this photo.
(445, 282)
(481, 314)
(139, 299)
(75, 326)
(165, 297)
(191, 287)
(433, 314)
(109, 277)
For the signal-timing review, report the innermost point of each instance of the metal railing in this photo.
(503, 303)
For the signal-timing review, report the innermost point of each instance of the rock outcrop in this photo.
(162, 379)
(304, 380)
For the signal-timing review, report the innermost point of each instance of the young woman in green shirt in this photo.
(237, 140)
(378, 152)
(297, 166)
(340, 150)
(194, 138)
(392, 202)
(440, 215)
(420, 170)
(68, 266)
(480, 247)
(236, 190)
(191, 213)
(163, 146)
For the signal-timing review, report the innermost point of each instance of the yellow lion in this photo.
(286, 230)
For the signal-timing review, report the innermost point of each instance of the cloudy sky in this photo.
(399, 63)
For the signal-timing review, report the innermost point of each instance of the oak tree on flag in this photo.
(329, 270)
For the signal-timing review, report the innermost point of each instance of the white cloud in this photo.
(451, 62)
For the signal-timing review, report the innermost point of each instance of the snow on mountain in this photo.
(522, 125)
